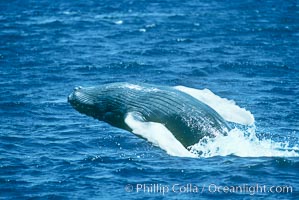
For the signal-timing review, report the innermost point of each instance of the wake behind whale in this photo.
(180, 120)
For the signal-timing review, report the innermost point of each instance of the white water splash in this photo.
(243, 144)
(119, 22)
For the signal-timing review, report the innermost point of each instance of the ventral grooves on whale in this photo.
(144, 109)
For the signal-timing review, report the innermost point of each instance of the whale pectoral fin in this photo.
(157, 134)
(228, 109)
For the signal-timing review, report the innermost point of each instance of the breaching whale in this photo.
(187, 118)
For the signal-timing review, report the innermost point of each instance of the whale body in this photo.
(187, 118)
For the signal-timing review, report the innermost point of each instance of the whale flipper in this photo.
(157, 134)
(228, 109)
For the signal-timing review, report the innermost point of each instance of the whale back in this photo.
(187, 118)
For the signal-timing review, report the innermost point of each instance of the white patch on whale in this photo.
(224, 107)
(157, 134)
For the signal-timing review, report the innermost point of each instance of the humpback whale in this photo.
(184, 116)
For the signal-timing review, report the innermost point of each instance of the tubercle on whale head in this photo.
(85, 101)
(74, 97)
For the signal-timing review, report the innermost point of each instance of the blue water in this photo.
(247, 51)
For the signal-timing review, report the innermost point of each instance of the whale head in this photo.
(87, 101)
(101, 102)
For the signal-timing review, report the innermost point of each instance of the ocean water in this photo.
(245, 51)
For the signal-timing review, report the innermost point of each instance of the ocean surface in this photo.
(244, 51)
